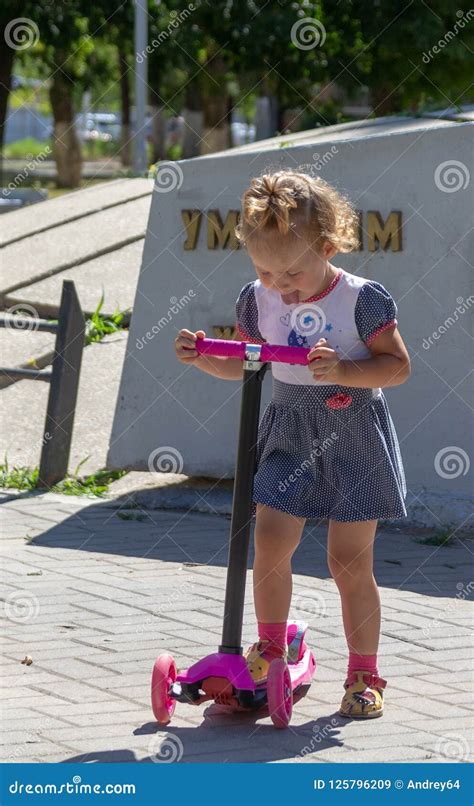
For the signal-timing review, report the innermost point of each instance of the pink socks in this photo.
(276, 634)
(366, 663)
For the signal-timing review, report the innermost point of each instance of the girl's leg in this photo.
(350, 561)
(277, 535)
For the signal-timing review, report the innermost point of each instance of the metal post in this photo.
(242, 508)
(140, 160)
(64, 387)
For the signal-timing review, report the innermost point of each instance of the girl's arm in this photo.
(230, 369)
(389, 364)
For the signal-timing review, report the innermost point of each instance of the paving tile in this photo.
(107, 609)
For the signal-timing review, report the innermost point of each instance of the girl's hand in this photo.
(184, 344)
(325, 364)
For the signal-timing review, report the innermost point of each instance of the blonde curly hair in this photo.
(293, 204)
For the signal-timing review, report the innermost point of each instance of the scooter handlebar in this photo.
(278, 353)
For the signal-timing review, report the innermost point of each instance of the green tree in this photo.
(399, 65)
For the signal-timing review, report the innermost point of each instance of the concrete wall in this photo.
(187, 421)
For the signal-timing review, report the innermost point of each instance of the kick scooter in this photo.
(224, 676)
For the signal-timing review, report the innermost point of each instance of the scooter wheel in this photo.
(279, 693)
(163, 677)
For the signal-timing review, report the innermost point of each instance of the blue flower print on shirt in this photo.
(297, 340)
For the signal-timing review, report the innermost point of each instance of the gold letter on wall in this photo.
(218, 234)
(192, 223)
(386, 234)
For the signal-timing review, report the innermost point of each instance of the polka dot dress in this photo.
(325, 450)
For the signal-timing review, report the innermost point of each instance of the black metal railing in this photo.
(63, 377)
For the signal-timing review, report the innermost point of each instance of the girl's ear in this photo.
(329, 250)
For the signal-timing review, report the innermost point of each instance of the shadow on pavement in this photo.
(212, 742)
(116, 527)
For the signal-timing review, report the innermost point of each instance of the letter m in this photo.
(219, 234)
(388, 233)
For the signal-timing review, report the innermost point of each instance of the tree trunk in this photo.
(6, 64)
(267, 117)
(66, 145)
(216, 135)
(193, 121)
(126, 129)
(385, 100)
(193, 133)
(158, 133)
(216, 106)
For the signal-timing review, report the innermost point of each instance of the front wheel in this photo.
(279, 693)
(162, 679)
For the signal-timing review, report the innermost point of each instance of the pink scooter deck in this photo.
(233, 668)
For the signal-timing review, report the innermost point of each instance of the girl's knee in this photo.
(350, 571)
(276, 534)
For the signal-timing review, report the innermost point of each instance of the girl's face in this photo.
(290, 268)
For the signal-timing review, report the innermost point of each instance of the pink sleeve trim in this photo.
(245, 336)
(382, 329)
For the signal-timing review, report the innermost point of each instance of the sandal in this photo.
(364, 696)
(258, 658)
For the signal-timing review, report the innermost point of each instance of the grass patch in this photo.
(27, 149)
(18, 478)
(96, 484)
(26, 478)
(99, 325)
(443, 537)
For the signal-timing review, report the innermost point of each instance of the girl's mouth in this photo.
(293, 296)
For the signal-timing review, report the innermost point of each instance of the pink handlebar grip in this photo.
(236, 349)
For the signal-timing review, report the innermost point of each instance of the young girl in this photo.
(327, 446)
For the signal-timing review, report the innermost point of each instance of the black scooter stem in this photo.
(254, 373)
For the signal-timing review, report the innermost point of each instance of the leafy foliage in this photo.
(99, 326)
(26, 478)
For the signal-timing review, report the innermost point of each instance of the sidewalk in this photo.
(94, 592)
